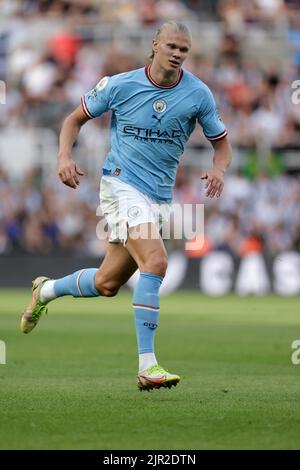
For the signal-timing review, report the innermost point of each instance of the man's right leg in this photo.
(116, 268)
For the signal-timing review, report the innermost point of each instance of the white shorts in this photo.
(124, 206)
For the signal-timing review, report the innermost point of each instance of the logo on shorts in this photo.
(159, 106)
(134, 212)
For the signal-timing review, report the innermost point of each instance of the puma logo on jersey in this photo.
(155, 117)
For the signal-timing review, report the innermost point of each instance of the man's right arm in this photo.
(68, 171)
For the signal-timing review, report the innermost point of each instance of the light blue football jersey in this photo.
(150, 125)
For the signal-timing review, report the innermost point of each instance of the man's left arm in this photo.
(221, 161)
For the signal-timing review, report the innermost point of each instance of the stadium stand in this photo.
(248, 52)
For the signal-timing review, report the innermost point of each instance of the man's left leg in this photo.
(147, 249)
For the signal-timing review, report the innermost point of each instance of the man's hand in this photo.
(214, 182)
(69, 172)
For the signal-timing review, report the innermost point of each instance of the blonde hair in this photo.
(176, 26)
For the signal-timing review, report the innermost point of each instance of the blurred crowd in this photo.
(52, 51)
(44, 217)
(260, 215)
(235, 13)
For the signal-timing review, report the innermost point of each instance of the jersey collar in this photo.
(147, 72)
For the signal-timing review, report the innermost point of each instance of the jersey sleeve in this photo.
(209, 119)
(97, 101)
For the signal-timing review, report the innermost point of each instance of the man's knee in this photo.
(156, 264)
(106, 288)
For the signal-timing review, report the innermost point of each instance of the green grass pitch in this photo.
(71, 383)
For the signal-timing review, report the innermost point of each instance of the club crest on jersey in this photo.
(159, 106)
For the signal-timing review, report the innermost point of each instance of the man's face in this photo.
(171, 49)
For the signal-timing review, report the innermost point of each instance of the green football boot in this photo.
(156, 377)
(33, 312)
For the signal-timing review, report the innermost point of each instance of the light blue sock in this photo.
(79, 284)
(146, 310)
